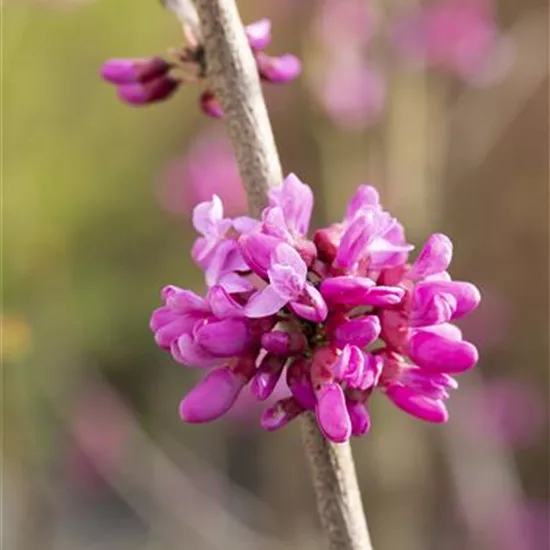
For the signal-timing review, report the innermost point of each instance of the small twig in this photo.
(232, 72)
(234, 78)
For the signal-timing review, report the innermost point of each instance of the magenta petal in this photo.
(165, 336)
(366, 196)
(259, 34)
(431, 308)
(466, 295)
(372, 369)
(210, 105)
(359, 417)
(287, 272)
(233, 283)
(446, 330)
(222, 304)
(256, 249)
(430, 410)
(137, 94)
(264, 381)
(332, 414)
(278, 70)
(295, 198)
(311, 305)
(437, 353)
(434, 258)
(355, 240)
(358, 332)
(346, 290)
(280, 414)
(225, 338)
(161, 317)
(380, 296)
(181, 300)
(212, 397)
(264, 303)
(208, 218)
(299, 382)
(129, 71)
(283, 343)
(187, 352)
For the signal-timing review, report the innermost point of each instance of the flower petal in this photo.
(264, 381)
(226, 338)
(332, 414)
(430, 410)
(187, 352)
(434, 258)
(212, 397)
(359, 417)
(433, 352)
(264, 302)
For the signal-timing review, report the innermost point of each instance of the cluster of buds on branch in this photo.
(339, 316)
(154, 79)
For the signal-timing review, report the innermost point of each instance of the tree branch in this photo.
(234, 78)
(335, 483)
(233, 75)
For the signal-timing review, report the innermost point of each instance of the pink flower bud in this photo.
(436, 353)
(225, 338)
(415, 404)
(280, 414)
(434, 258)
(210, 105)
(359, 417)
(358, 332)
(212, 397)
(259, 34)
(278, 70)
(299, 382)
(346, 290)
(267, 376)
(332, 414)
(283, 343)
(152, 91)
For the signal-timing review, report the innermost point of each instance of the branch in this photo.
(234, 78)
(233, 75)
(335, 483)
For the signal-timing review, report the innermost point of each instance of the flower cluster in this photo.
(145, 81)
(338, 316)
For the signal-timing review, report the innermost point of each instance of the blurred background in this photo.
(443, 105)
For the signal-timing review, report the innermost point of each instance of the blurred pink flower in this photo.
(527, 527)
(352, 94)
(345, 83)
(509, 410)
(460, 36)
(209, 168)
(347, 22)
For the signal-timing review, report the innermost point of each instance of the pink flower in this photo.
(208, 169)
(345, 82)
(352, 93)
(338, 320)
